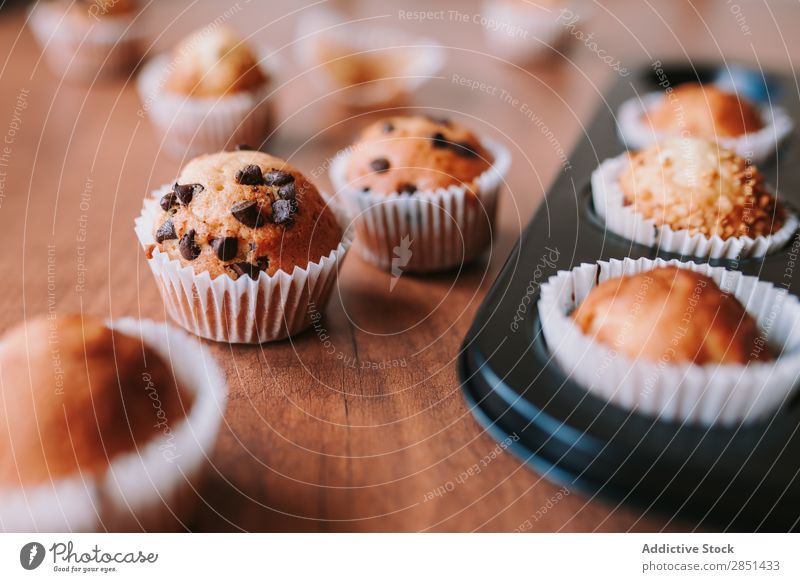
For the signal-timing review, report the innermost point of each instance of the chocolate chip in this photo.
(185, 192)
(263, 262)
(168, 200)
(166, 232)
(388, 127)
(250, 175)
(278, 178)
(440, 141)
(380, 165)
(226, 248)
(365, 189)
(464, 149)
(243, 147)
(287, 191)
(283, 211)
(407, 188)
(248, 213)
(249, 269)
(189, 249)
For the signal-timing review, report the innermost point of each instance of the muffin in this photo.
(88, 39)
(525, 32)
(679, 341)
(361, 66)
(101, 406)
(693, 197)
(422, 184)
(623, 313)
(704, 111)
(209, 94)
(243, 246)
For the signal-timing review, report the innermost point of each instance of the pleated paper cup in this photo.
(526, 33)
(635, 130)
(425, 231)
(101, 48)
(190, 126)
(680, 392)
(146, 489)
(414, 60)
(242, 310)
(622, 219)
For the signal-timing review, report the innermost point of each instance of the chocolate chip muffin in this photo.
(242, 213)
(411, 154)
(705, 111)
(77, 395)
(212, 63)
(696, 185)
(671, 315)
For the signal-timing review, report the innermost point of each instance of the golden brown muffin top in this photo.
(694, 184)
(213, 62)
(410, 154)
(243, 212)
(705, 111)
(671, 315)
(75, 395)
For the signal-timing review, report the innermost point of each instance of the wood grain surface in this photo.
(360, 426)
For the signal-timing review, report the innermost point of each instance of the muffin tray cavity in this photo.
(741, 478)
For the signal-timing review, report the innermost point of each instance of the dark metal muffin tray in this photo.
(743, 478)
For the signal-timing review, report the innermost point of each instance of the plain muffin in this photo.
(671, 315)
(76, 395)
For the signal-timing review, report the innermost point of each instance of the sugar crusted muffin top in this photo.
(410, 154)
(240, 213)
(694, 184)
(76, 408)
(705, 111)
(671, 315)
(213, 63)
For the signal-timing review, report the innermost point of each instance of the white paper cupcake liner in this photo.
(636, 132)
(190, 126)
(423, 58)
(426, 231)
(242, 310)
(525, 33)
(144, 489)
(708, 394)
(622, 219)
(102, 48)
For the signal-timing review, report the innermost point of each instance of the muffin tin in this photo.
(735, 478)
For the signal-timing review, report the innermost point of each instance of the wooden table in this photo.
(368, 432)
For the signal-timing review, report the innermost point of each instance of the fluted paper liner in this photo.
(142, 489)
(680, 392)
(241, 310)
(622, 219)
(425, 231)
(636, 133)
(104, 47)
(422, 59)
(190, 126)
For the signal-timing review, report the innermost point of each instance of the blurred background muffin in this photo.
(210, 93)
(89, 39)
